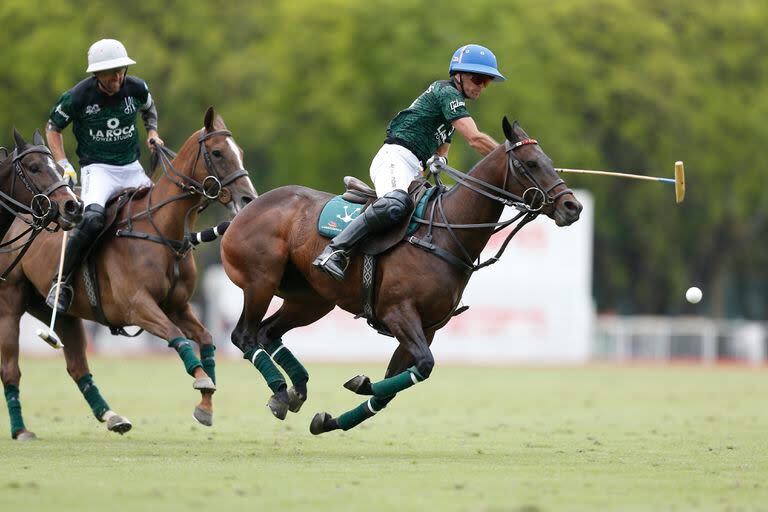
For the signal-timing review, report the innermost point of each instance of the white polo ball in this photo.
(693, 295)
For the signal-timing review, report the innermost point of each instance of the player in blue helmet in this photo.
(417, 137)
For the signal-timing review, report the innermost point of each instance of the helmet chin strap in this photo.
(457, 78)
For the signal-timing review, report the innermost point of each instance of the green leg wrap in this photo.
(14, 409)
(209, 363)
(267, 368)
(187, 354)
(282, 356)
(92, 396)
(361, 413)
(397, 383)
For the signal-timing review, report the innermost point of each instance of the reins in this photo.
(528, 210)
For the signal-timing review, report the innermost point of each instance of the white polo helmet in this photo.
(107, 54)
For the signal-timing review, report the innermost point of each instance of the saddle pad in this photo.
(338, 213)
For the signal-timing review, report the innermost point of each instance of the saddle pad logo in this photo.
(336, 215)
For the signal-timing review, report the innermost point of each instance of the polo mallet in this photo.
(50, 336)
(678, 180)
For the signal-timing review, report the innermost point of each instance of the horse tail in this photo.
(208, 235)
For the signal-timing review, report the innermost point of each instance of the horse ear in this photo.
(37, 139)
(20, 142)
(209, 116)
(506, 127)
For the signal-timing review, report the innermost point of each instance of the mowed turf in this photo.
(474, 439)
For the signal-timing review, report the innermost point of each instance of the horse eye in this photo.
(216, 153)
(530, 164)
(33, 168)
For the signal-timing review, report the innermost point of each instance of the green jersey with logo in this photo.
(104, 126)
(426, 124)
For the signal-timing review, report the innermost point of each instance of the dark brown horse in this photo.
(145, 274)
(31, 187)
(269, 248)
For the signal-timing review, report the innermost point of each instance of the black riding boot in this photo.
(80, 240)
(384, 213)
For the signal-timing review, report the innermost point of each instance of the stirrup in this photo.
(321, 260)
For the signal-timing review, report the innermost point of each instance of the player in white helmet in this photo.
(102, 110)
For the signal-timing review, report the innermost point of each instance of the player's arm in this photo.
(480, 141)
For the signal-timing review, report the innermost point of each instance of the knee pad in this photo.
(388, 210)
(93, 221)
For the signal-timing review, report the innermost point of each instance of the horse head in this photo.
(43, 188)
(535, 179)
(221, 169)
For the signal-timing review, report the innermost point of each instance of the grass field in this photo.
(501, 439)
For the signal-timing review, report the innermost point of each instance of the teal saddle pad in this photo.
(338, 213)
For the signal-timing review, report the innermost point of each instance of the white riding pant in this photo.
(394, 167)
(100, 182)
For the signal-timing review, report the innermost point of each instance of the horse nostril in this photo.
(245, 200)
(73, 207)
(572, 206)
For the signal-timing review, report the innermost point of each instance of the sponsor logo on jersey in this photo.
(455, 104)
(130, 105)
(113, 133)
(60, 111)
(92, 109)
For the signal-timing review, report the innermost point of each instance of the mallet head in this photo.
(679, 181)
(50, 338)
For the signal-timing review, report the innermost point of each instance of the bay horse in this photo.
(144, 273)
(32, 188)
(269, 247)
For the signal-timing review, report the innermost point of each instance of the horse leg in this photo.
(11, 309)
(72, 334)
(293, 313)
(399, 375)
(256, 300)
(194, 330)
(152, 319)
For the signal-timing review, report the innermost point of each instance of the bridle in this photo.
(41, 208)
(212, 186)
(529, 206)
(40, 212)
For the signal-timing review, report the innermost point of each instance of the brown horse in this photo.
(269, 248)
(145, 273)
(31, 187)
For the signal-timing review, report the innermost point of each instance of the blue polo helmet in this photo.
(473, 58)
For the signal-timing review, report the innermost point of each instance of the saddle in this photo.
(90, 275)
(333, 220)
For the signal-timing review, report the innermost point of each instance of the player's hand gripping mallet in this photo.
(678, 180)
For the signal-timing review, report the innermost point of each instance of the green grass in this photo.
(500, 439)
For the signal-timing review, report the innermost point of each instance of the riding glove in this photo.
(69, 171)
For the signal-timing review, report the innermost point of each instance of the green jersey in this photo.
(104, 126)
(426, 124)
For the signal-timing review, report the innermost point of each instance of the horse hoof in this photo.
(278, 405)
(360, 385)
(119, 424)
(204, 384)
(202, 416)
(26, 436)
(295, 400)
(317, 426)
